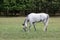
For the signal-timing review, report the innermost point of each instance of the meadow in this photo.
(11, 29)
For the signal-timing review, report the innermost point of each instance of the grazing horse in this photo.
(32, 18)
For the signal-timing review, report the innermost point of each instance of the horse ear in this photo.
(23, 24)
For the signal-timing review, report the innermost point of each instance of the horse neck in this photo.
(25, 22)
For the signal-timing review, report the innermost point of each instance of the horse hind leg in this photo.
(45, 28)
(45, 25)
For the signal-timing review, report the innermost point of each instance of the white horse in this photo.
(32, 18)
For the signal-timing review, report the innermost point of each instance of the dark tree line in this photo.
(24, 7)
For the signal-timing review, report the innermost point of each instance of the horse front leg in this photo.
(29, 27)
(34, 26)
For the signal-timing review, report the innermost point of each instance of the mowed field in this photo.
(11, 29)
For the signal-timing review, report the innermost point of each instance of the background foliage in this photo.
(24, 7)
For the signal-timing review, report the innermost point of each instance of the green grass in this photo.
(11, 29)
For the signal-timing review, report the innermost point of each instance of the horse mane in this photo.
(26, 20)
